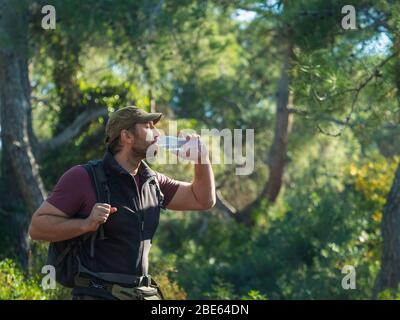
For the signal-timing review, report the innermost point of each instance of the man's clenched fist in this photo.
(99, 215)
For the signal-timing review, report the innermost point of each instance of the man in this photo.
(131, 218)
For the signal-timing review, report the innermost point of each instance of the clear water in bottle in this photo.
(171, 143)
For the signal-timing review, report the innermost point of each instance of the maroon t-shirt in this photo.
(74, 192)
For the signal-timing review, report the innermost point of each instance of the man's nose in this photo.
(156, 133)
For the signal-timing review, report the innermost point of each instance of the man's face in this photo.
(145, 134)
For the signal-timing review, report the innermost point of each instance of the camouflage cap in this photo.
(125, 118)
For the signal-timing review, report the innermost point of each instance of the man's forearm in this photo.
(204, 185)
(52, 228)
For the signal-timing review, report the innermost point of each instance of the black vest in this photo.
(128, 232)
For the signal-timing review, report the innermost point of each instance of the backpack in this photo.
(64, 255)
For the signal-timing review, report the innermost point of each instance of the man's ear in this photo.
(126, 136)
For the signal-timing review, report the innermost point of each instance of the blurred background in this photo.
(319, 86)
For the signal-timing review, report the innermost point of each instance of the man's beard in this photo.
(141, 152)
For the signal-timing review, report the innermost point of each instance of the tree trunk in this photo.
(15, 107)
(389, 274)
(23, 186)
(278, 150)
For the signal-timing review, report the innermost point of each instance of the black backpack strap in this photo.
(100, 184)
(160, 195)
(99, 180)
(152, 176)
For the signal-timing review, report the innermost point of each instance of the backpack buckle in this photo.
(95, 285)
(144, 281)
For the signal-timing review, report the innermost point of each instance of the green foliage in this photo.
(254, 295)
(16, 285)
(389, 294)
(13, 283)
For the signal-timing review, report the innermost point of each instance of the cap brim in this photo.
(155, 117)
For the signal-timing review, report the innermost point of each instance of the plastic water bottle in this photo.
(171, 143)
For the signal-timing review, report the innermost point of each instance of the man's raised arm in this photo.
(200, 193)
